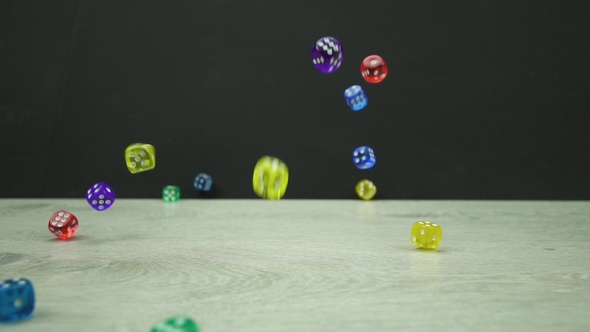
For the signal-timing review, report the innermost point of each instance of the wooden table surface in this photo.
(302, 265)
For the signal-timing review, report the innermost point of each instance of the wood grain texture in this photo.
(303, 265)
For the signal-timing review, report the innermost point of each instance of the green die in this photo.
(171, 194)
(177, 324)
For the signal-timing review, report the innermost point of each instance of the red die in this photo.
(63, 224)
(374, 69)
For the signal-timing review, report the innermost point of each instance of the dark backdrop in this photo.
(485, 99)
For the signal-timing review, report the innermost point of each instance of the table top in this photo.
(302, 265)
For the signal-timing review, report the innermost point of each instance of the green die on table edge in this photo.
(171, 194)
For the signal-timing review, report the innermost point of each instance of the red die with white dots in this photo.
(374, 69)
(63, 224)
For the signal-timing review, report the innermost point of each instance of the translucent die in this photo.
(17, 300)
(171, 194)
(327, 55)
(363, 157)
(356, 98)
(374, 69)
(270, 178)
(63, 224)
(140, 157)
(203, 182)
(426, 235)
(100, 196)
(365, 189)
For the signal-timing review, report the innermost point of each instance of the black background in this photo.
(484, 99)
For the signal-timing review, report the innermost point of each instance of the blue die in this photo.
(203, 182)
(17, 300)
(356, 97)
(364, 157)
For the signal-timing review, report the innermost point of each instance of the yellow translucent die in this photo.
(140, 157)
(270, 178)
(365, 189)
(426, 235)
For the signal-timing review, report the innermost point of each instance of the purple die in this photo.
(327, 55)
(100, 196)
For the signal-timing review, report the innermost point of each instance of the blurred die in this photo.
(203, 182)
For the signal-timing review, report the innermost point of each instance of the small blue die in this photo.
(17, 300)
(356, 97)
(364, 157)
(203, 182)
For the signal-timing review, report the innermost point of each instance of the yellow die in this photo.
(140, 157)
(270, 178)
(426, 235)
(365, 189)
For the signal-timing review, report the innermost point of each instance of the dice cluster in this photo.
(327, 55)
(269, 181)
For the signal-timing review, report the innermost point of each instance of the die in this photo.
(364, 157)
(177, 324)
(17, 300)
(171, 194)
(327, 55)
(374, 69)
(270, 178)
(203, 182)
(356, 97)
(140, 157)
(100, 196)
(63, 224)
(365, 189)
(426, 235)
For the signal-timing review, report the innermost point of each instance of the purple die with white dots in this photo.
(100, 196)
(327, 55)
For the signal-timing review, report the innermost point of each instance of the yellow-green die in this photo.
(140, 157)
(426, 235)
